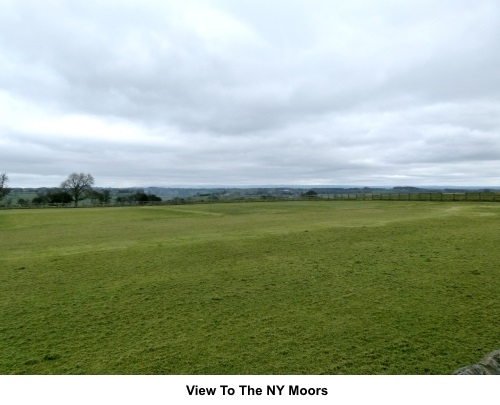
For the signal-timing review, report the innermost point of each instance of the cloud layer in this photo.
(250, 92)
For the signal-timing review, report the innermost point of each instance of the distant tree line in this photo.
(54, 196)
(138, 196)
(78, 187)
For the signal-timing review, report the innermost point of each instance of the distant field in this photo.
(320, 287)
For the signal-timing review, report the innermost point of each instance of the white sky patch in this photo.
(31, 121)
(84, 128)
(217, 28)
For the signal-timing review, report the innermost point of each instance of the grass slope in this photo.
(261, 288)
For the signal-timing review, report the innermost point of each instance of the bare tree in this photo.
(78, 185)
(3, 185)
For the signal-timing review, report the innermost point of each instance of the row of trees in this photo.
(139, 196)
(77, 187)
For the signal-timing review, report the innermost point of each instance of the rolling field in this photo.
(258, 288)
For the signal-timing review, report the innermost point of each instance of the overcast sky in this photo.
(250, 92)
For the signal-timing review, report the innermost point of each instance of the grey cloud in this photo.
(251, 91)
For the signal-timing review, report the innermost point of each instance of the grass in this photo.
(262, 288)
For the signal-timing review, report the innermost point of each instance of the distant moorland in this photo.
(38, 196)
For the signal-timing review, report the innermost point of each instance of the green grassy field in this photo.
(257, 288)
